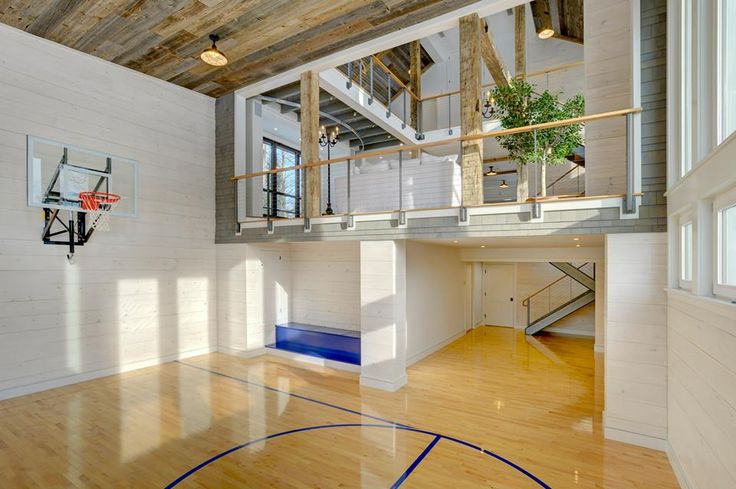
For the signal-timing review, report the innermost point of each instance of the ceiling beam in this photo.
(492, 57)
(520, 42)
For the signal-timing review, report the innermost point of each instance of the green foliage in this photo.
(520, 106)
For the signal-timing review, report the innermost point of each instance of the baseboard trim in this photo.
(96, 374)
(437, 346)
(391, 386)
(678, 469)
(638, 439)
(257, 352)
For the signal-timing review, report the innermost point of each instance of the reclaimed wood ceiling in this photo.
(261, 38)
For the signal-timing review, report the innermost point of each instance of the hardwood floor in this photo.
(534, 406)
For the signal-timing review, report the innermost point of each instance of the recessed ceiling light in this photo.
(577, 246)
(275, 128)
(213, 56)
(576, 239)
(482, 246)
(546, 33)
(454, 241)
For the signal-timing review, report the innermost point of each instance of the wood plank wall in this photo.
(608, 79)
(636, 338)
(145, 291)
(702, 389)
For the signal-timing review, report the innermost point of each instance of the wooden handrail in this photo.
(470, 137)
(488, 85)
(393, 75)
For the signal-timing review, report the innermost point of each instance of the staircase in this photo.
(562, 297)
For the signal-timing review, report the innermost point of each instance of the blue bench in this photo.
(318, 341)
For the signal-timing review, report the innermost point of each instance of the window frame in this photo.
(272, 209)
(686, 283)
(687, 32)
(725, 201)
(721, 57)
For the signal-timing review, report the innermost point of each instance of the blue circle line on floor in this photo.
(390, 424)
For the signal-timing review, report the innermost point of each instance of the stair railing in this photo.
(379, 74)
(555, 294)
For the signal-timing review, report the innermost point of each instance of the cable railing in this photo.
(430, 176)
(381, 84)
(556, 294)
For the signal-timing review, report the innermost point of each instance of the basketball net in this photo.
(99, 207)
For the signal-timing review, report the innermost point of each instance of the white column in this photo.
(383, 314)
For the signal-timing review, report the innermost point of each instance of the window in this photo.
(728, 67)
(686, 252)
(727, 246)
(281, 191)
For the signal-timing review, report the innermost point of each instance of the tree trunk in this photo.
(542, 180)
(522, 183)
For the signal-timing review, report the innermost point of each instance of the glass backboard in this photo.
(58, 172)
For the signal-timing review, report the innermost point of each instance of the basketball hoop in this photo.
(99, 207)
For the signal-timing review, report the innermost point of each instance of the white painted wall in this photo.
(435, 288)
(143, 293)
(636, 339)
(701, 397)
(325, 284)
(383, 314)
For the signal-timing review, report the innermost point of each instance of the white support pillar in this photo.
(383, 314)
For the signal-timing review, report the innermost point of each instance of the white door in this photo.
(498, 295)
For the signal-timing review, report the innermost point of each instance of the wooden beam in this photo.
(415, 79)
(542, 18)
(471, 122)
(312, 185)
(520, 42)
(492, 57)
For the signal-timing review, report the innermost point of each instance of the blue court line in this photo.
(298, 396)
(391, 424)
(416, 462)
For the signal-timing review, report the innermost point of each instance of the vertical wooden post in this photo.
(520, 42)
(470, 116)
(415, 80)
(310, 142)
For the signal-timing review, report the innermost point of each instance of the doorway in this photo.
(498, 294)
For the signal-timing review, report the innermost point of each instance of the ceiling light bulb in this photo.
(546, 33)
(212, 55)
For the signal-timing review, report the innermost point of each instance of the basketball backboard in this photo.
(58, 173)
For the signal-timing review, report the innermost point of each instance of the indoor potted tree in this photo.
(518, 106)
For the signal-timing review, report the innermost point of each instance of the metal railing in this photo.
(556, 294)
(412, 177)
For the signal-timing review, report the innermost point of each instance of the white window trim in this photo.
(723, 201)
(684, 221)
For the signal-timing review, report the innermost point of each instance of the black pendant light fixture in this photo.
(213, 56)
(503, 184)
(490, 172)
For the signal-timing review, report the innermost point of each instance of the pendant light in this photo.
(503, 184)
(490, 172)
(212, 55)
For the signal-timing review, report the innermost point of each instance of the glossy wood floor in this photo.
(533, 405)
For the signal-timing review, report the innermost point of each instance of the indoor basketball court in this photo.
(376, 244)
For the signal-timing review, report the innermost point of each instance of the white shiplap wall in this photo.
(702, 390)
(325, 284)
(636, 338)
(139, 295)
